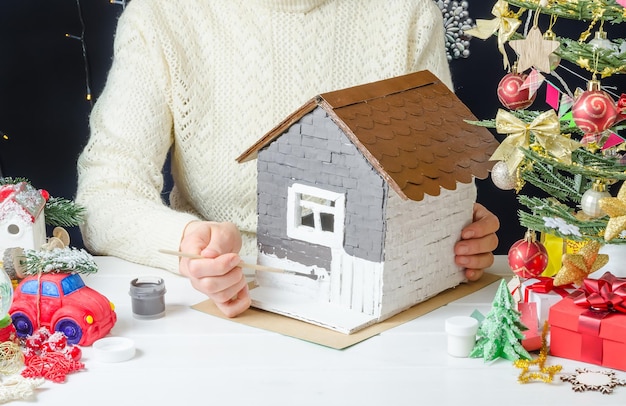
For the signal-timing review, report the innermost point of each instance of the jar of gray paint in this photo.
(148, 297)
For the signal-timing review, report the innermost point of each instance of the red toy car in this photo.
(65, 304)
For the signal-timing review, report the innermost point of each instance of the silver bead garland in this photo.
(456, 21)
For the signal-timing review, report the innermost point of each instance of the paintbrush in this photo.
(242, 264)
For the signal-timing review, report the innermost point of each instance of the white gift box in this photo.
(544, 294)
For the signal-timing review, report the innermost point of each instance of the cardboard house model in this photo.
(362, 194)
(22, 221)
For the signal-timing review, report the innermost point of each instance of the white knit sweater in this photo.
(210, 77)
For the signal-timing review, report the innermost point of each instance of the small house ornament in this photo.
(22, 221)
(362, 195)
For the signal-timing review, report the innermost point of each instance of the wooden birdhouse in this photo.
(362, 195)
(22, 221)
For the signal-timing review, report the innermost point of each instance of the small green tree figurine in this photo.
(500, 333)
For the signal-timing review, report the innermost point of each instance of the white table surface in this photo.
(191, 358)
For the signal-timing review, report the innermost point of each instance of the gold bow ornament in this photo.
(547, 132)
(505, 23)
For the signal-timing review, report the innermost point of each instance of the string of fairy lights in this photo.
(119, 2)
(83, 45)
(4, 136)
(456, 18)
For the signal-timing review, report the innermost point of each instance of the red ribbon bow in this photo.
(608, 293)
(545, 284)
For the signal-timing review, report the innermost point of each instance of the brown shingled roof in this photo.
(411, 128)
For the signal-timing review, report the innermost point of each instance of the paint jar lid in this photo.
(147, 287)
(461, 326)
(114, 349)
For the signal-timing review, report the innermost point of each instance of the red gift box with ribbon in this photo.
(590, 324)
(541, 290)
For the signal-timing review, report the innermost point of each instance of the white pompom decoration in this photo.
(501, 177)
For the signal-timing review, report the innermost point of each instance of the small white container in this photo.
(114, 349)
(461, 332)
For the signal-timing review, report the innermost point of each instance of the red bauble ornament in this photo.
(528, 257)
(510, 94)
(621, 109)
(594, 110)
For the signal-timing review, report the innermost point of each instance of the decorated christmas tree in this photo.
(571, 152)
(500, 333)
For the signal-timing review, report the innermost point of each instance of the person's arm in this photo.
(120, 170)
(428, 45)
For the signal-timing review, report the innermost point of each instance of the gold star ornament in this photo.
(534, 50)
(615, 207)
(577, 266)
(545, 373)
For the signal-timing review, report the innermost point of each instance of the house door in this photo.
(317, 216)
(355, 283)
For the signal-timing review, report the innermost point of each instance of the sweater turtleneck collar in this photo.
(291, 6)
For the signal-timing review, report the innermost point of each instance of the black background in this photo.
(45, 77)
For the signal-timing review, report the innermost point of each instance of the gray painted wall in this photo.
(314, 151)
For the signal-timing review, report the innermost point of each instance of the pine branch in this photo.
(66, 259)
(8, 180)
(584, 163)
(604, 61)
(552, 182)
(59, 211)
(580, 52)
(528, 116)
(552, 217)
(578, 10)
(566, 179)
(63, 213)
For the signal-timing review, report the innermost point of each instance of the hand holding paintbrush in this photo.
(241, 264)
(218, 275)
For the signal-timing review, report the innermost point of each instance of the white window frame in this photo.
(315, 234)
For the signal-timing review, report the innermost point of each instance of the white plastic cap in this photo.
(461, 326)
(114, 349)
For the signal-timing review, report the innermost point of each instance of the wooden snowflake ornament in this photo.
(599, 381)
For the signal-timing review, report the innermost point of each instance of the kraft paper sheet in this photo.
(305, 331)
